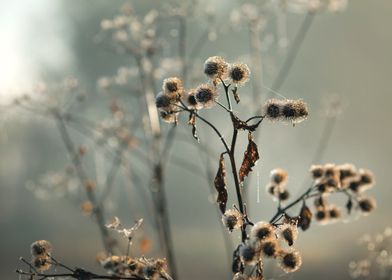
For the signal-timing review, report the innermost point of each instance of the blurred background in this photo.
(64, 54)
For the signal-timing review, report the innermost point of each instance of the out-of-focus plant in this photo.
(378, 262)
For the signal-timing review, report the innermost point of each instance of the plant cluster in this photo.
(273, 238)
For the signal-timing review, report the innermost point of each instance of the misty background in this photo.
(346, 54)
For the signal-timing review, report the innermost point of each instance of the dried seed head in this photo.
(278, 176)
(367, 204)
(150, 272)
(272, 189)
(270, 248)
(347, 171)
(42, 263)
(284, 195)
(322, 214)
(41, 248)
(289, 232)
(334, 212)
(172, 85)
(317, 171)
(232, 219)
(294, 111)
(272, 109)
(206, 95)
(249, 254)
(216, 67)
(366, 178)
(262, 231)
(169, 117)
(239, 73)
(166, 102)
(190, 100)
(290, 261)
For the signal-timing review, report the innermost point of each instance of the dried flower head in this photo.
(41, 248)
(172, 85)
(215, 67)
(166, 102)
(206, 95)
(294, 111)
(42, 263)
(190, 100)
(249, 254)
(232, 219)
(367, 204)
(289, 232)
(334, 212)
(283, 195)
(278, 176)
(270, 248)
(290, 261)
(322, 215)
(317, 171)
(262, 231)
(272, 109)
(239, 73)
(366, 178)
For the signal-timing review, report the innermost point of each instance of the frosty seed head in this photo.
(367, 204)
(172, 85)
(232, 219)
(290, 261)
(215, 67)
(272, 109)
(205, 95)
(289, 232)
(41, 248)
(317, 171)
(278, 176)
(190, 100)
(294, 111)
(249, 254)
(262, 231)
(239, 73)
(270, 248)
(168, 117)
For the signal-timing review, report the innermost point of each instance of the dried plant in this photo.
(273, 238)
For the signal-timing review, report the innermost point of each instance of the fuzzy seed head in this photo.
(270, 248)
(284, 195)
(41, 248)
(367, 204)
(172, 85)
(272, 109)
(278, 176)
(168, 117)
(294, 111)
(262, 231)
(232, 219)
(289, 232)
(317, 171)
(216, 67)
(190, 100)
(249, 254)
(206, 95)
(290, 261)
(334, 212)
(239, 73)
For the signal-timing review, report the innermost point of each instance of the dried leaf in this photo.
(305, 217)
(349, 205)
(236, 95)
(220, 185)
(192, 122)
(251, 156)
